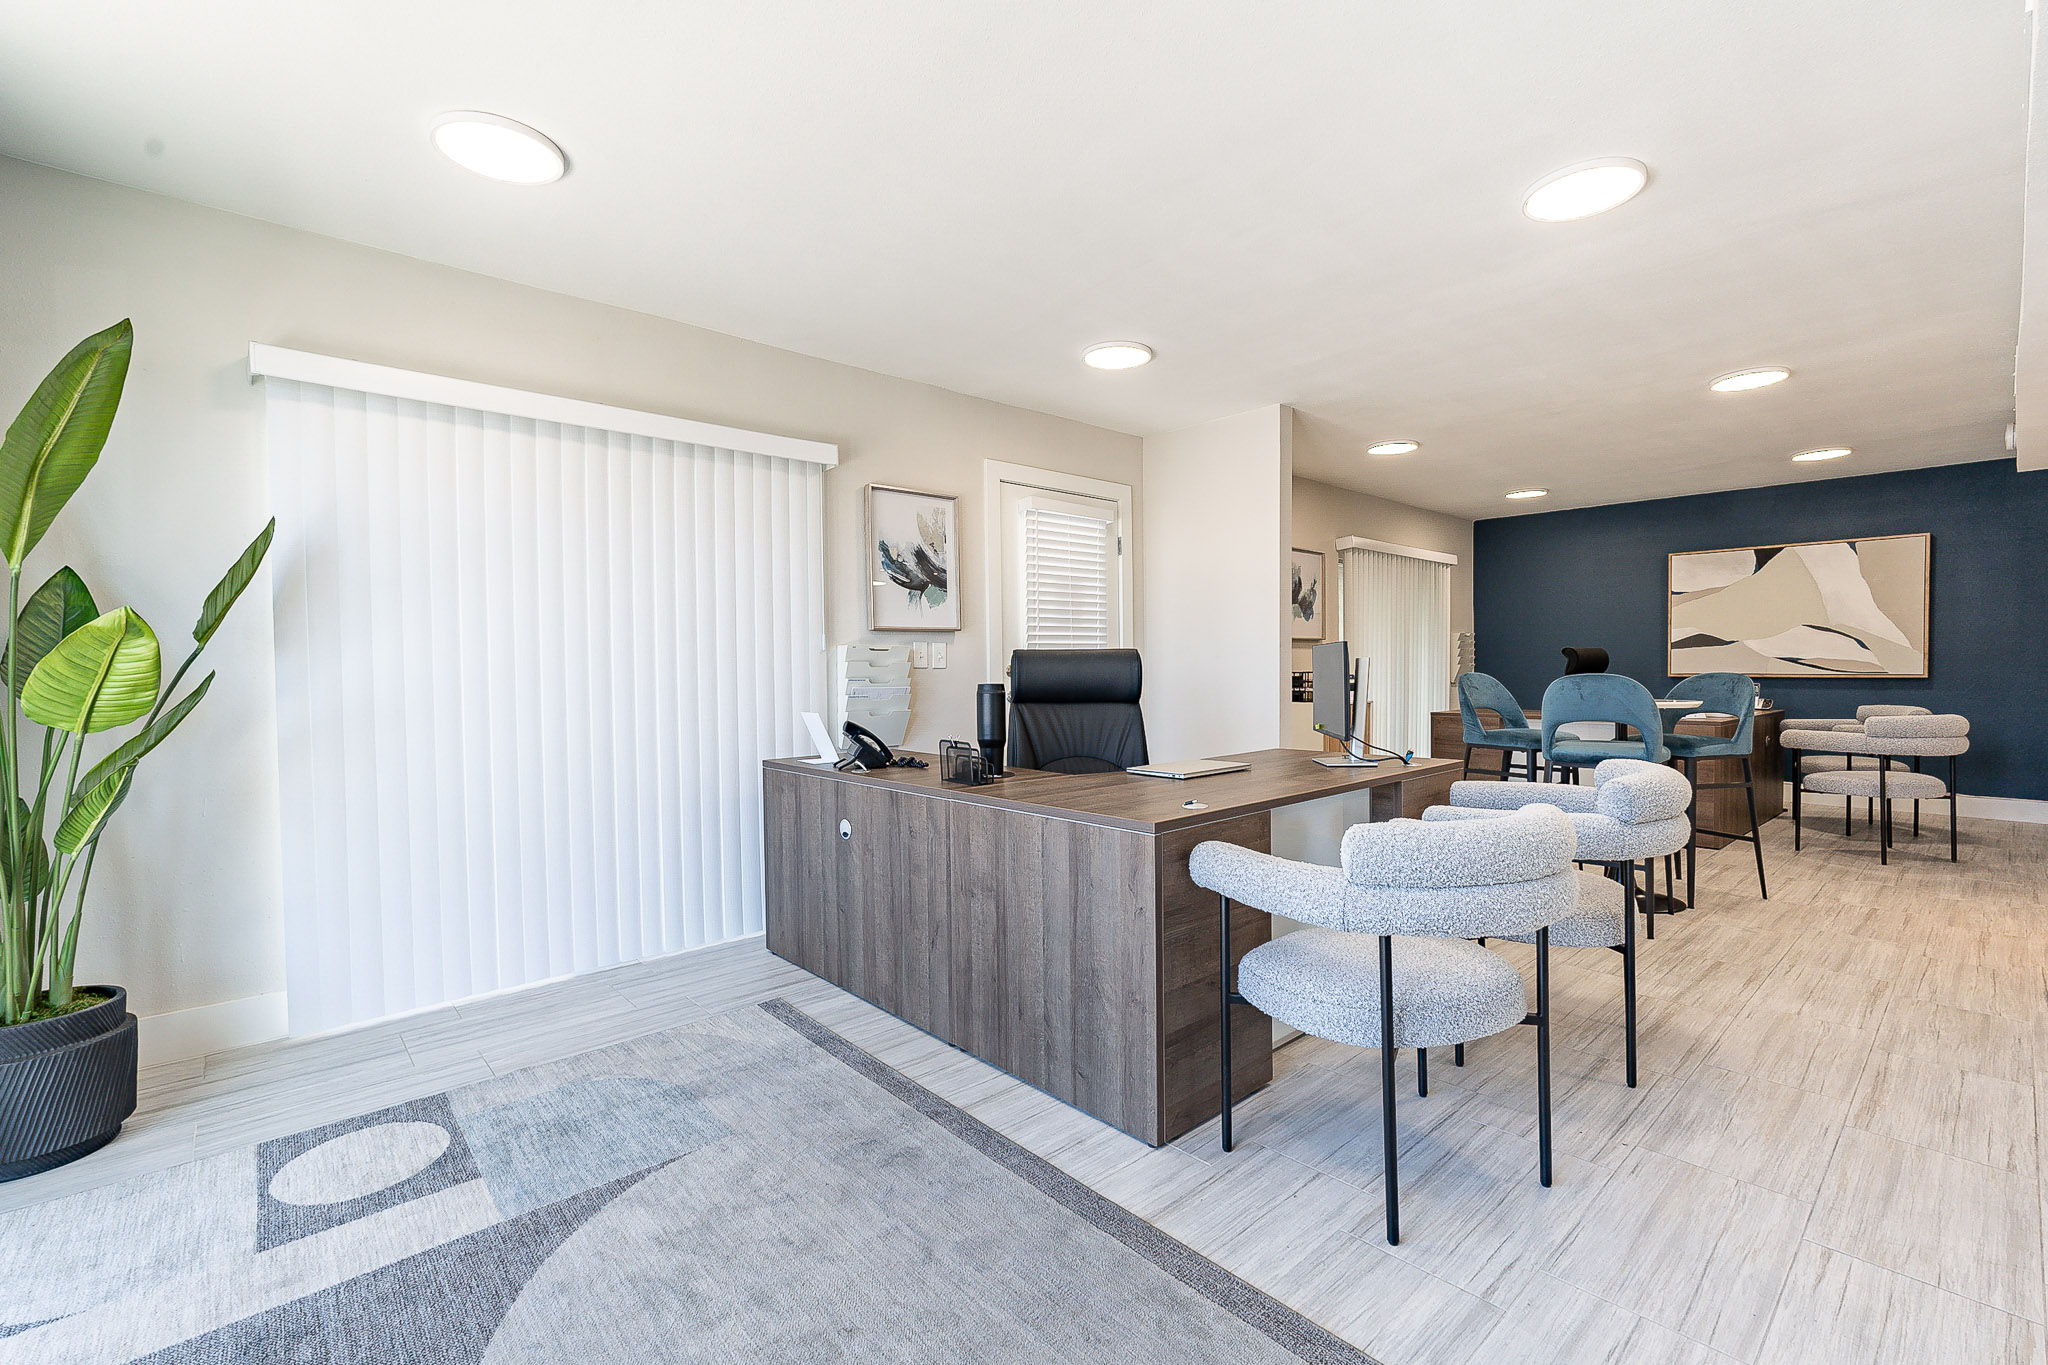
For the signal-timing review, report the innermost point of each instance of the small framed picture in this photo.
(1306, 595)
(912, 557)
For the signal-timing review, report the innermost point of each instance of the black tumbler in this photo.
(992, 719)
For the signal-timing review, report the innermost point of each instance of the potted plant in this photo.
(72, 674)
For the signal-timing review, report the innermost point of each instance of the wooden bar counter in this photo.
(1046, 922)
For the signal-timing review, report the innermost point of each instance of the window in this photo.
(1058, 577)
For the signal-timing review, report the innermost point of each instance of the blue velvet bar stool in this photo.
(1608, 698)
(1481, 692)
(1617, 700)
(1732, 694)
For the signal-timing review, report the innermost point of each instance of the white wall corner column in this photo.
(1216, 637)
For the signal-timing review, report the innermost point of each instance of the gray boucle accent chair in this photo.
(1635, 812)
(1389, 963)
(1835, 763)
(1883, 739)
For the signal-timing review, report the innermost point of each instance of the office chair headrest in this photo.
(1584, 659)
(1075, 675)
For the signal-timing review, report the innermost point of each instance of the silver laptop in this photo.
(1201, 767)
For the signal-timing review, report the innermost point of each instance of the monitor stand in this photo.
(1346, 761)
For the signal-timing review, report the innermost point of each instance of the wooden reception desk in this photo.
(1046, 922)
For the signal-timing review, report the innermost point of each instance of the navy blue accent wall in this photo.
(1595, 576)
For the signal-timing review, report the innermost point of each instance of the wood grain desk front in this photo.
(1046, 922)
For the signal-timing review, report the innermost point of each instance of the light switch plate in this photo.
(920, 655)
(938, 654)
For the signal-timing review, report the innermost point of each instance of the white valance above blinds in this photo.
(526, 674)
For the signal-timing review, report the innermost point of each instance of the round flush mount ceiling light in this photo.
(498, 148)
(1813, 456)
(1117, 355)
(1394, 448)
(1582, 190)
(1520, 493)
(1742, 381)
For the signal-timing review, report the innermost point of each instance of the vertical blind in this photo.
(526, 674)
(1066, 588)
(1397, 611)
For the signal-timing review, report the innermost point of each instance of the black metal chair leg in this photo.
(1692, 840)
(1458, 1055)
(1916, 817)
(1884, 834)
(1628, 965)
(1390, 1184)
(1223, 1003)
(1468, 764)
(1543, 1054)
(1756, 837)
(1951, 808)
(1422, 1071)
(1798, 786)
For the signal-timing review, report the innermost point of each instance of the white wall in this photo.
(1215, 628)
(186, 888)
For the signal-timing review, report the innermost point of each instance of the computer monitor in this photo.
(1335, 712)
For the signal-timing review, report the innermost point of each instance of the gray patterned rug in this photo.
(753, 1188)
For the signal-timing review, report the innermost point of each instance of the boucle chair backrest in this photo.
(1462, 880)
(1927, 735)
(1637, 793)
(1866, 712)
(1483, 691)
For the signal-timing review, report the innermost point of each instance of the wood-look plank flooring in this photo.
(1836, 1152)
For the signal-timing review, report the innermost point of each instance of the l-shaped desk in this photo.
(1045, 922)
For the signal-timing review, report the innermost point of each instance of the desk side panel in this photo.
(1054, 958)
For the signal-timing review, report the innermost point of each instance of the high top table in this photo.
(1046, 922)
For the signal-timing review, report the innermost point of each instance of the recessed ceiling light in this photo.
(1117, 355)
(1394, 448)
(498, 148)
(1741, 381)
(1530, 493)
(1582, 190)
(1831, 453)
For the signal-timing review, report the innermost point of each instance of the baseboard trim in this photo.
(180, 1035)
(2020, 809)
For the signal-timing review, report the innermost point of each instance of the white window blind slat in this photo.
(1397, 615)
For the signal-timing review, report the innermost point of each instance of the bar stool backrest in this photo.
(1925, 736)
(1731, 694)
(1483, 691)
(1608, 697)
(1476, 879)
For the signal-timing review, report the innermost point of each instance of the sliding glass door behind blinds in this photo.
(526, 675)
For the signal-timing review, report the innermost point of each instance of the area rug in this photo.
(752, 1188)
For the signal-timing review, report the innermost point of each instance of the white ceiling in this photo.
(1316, 204)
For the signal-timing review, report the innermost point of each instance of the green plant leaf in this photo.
(82, 823)
(31, 854)
(131, 749)
(52, 612)
(57, 439)
(231, 585)
(99, 676)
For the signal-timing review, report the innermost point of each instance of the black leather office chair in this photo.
(1584, 659)
(1076, 710)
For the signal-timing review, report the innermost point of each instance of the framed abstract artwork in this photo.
(1823, 608)
(911, 558)
(1308, 606)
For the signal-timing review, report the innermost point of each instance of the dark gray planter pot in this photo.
(66, 1084)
